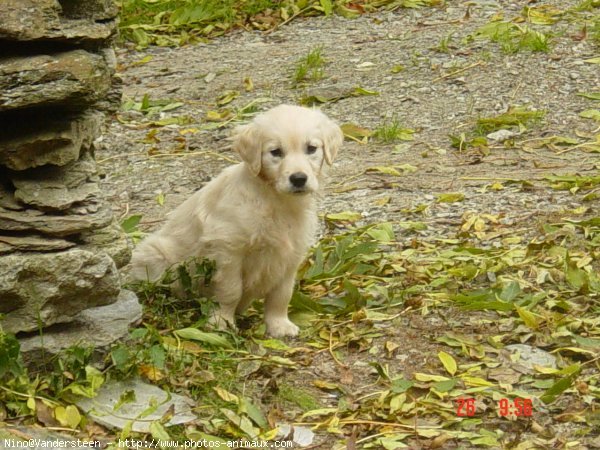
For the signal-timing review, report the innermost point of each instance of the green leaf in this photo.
(587, 342)
(253, 412)
(157, 356)
(510, 291)
(445, 386)
(591, 114)
(448, 361)
(590, 95)
(362, 91)
(126, 397)
(557, 388)
(130, 224)
(400, 385)
(327, 6)
(158, 431)
(576, 277)
(382, 232)
(210, 338)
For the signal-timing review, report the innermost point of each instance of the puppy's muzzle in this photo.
(298, 181)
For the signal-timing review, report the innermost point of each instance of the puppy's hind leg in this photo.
(155, 255)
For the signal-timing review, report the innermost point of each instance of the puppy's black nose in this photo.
(298, 179)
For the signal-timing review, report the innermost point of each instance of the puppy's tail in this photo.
(151, 259)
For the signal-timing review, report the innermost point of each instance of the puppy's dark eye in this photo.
(311, 149)
(277, 153)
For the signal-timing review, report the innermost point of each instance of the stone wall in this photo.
(60, 247)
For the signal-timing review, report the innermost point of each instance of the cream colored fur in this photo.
(253, 220)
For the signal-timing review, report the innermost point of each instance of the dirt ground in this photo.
(440, 91)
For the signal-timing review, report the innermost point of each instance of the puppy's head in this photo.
(287, 146)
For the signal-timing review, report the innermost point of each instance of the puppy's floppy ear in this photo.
(333, 137)
(247, 143)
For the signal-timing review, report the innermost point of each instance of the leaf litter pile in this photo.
(453, 299)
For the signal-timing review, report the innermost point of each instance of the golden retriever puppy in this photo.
(256, 220)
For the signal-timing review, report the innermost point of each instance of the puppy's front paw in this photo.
(281, 327)
(221, 322)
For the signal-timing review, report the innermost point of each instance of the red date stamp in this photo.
(518, 407)
(465, 407)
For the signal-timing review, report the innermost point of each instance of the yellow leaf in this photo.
(450, 197)
(397, 171)
(530, 319)
(383, 201)
(151, 372)
(218, 116)
(226, 395)
(248, 84)
(356, 133)
(68, 417)
(344, 216)
(448, 361)
(429, 377)
(327, 385)
(476, 381)
(144, 60)
(227, 97)
(189, 131)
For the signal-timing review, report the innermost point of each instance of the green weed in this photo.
(392, 131)
(309, 67)
(444, 44)
(298, 396)
(514, 117)
(594, 30)
(177, 22)
(512, 37)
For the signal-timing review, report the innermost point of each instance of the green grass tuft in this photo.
(392, 131)
(309, 67)
(513, 38)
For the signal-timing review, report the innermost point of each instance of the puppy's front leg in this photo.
(276, 308)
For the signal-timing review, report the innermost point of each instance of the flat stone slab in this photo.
(102, 408)
(88, 216)
(529, 357)
(75, 77)
(31, 20)
(48, 288)
(40, 140)
(99, 327)
(111, 240)
(11, 244)
(57, 188)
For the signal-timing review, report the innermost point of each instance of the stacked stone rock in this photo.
(60, 247)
